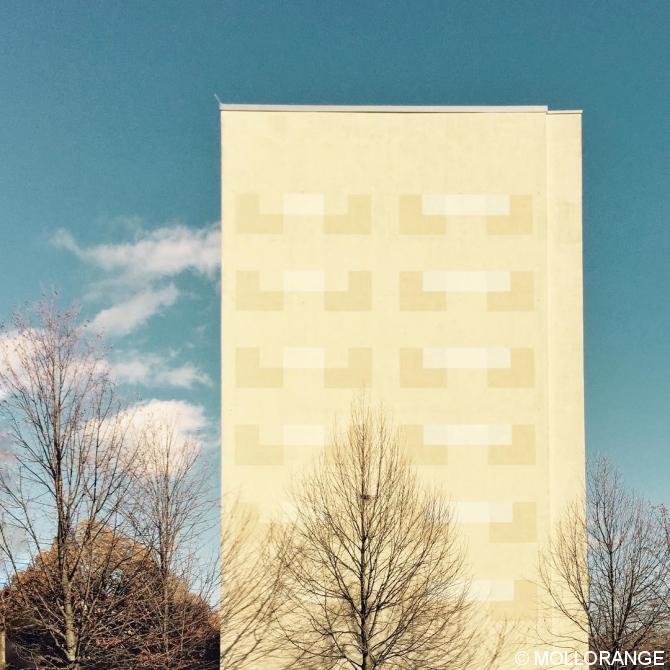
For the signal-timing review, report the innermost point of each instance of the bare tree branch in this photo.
(170, 509)
(250, 597)
(607, 569)
(61, 494)
(374, 574)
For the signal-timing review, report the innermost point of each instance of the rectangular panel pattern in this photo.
(406, 258)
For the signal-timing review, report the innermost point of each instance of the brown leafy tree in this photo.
(127, 639)
(120, 582)
(64, 483)
(607, 569)
(374, 576)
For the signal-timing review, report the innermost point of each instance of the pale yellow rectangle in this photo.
(466, 282)
(304, 435)
(483, 512)
(465, 204)
(304, 358)
(492, 590)
(467, 358)
(303, 204)
(304, 281)
(467, 434)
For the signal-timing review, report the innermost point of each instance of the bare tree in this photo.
(62, 486)
(171, 512)
(374, 575)
(607, 569)
(250, 596)
(3, 636)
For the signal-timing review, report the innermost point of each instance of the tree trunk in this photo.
(70, 635)
(3, 659)
(166, 616)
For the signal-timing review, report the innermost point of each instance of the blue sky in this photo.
(109, 178)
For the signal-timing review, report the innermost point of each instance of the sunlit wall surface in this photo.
(431, 256)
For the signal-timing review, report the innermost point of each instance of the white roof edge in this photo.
(417, 109)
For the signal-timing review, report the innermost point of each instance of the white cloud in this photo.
(124, 317)
(135, 371)
(187, 419)
(14, 347)
(181, 425)
(162, 252)
(142, 265)
(150, 426)
(183, 376)
(153, 370)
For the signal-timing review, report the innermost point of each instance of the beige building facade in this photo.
(431, 257)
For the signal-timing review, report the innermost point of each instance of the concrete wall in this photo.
(433, 259)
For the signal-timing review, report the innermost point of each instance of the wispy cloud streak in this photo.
(163, 252)
(154, 371)
(126, 316)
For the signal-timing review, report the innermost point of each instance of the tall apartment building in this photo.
(431, 255)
